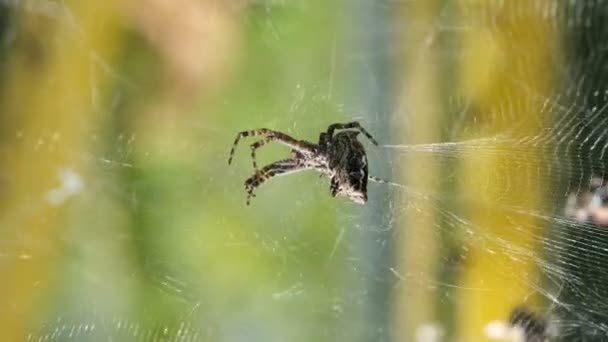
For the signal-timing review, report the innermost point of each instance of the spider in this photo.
(341, 157)
(590, 205)
(531, 327)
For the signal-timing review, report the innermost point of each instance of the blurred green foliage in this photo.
(160, 244)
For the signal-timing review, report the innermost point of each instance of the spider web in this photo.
(159, 245)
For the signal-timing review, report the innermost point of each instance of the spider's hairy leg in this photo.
(299, 145)
(245, 134)
(333, 187)
(255, 146)
(282, 167)
(350, 125)
(270, 138)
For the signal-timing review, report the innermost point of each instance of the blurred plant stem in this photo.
(49, 104)
(486, 76)
(196, 51)
(482, 78)
(418, 119)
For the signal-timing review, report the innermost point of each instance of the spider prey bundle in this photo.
(341, 157)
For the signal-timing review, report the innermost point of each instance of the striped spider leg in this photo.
(300, 146)
(279, 168)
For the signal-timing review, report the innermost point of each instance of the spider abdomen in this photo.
(348, 163)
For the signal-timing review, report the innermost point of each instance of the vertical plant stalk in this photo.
(51, 96)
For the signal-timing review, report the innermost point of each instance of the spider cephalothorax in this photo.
(341, 157)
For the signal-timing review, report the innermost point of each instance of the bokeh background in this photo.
(120, 219)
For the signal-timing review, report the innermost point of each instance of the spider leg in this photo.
(298, 145)
(295, 154)
(257, 145)
(279, 168)
(333, 186)
(245, 134)
(356, 125)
